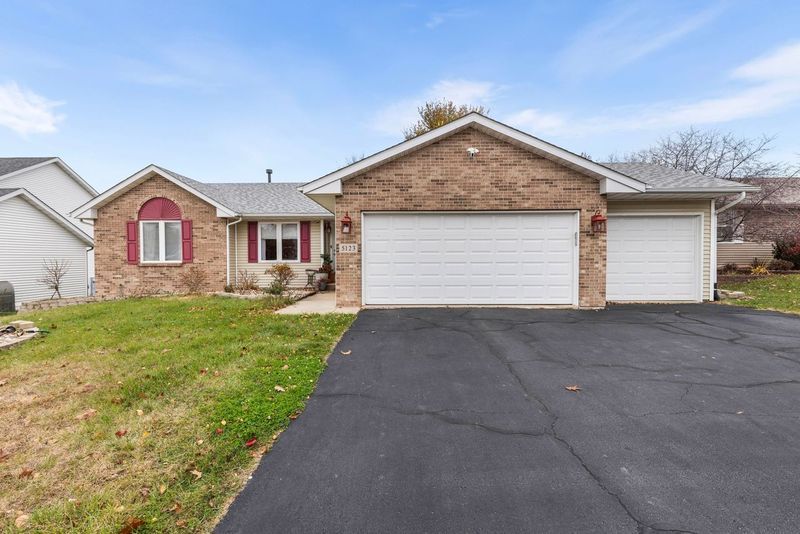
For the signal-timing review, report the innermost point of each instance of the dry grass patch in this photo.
(139, 412)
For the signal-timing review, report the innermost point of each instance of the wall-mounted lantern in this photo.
(598, 223)
(347, 223)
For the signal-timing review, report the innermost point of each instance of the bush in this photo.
(275, 288)
(788, 248)
(781, 265)
(282, 275)
(729, 268)
(193, 280)
(759, 270)
(246, 281)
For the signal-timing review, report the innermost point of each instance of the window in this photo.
(161, 241)
(280, 241)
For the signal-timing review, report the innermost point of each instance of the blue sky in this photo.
(220, 91)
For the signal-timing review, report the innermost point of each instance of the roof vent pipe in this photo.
(269, 176)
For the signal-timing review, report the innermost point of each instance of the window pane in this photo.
(269, 242)
(150, 241)
(289, 241)
(172, 241)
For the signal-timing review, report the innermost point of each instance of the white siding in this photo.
(27, 238)
(679, 206)
(54, 187)
(238, 254)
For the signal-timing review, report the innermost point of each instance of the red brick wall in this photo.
(502, 177)
(115, 277)
(764, 225)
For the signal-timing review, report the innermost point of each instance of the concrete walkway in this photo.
(324, 302)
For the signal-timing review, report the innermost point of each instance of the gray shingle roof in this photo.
(7, 190)
(9, 165)
(256, 198)
(663, 177)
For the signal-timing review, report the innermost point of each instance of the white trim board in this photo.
(58, 161)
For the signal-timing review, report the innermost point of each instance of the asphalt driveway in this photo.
(458, 420)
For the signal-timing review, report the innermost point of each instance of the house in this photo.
(772, 213)
(36, 197)
(472, 213)
(156, 224)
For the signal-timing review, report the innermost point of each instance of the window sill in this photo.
(160, 264)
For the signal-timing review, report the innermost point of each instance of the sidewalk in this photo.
(324, 302)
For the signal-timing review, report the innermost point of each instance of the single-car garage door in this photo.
(469, 258)
(654, 258)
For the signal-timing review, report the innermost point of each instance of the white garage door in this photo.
(653, 258)
(469, 258)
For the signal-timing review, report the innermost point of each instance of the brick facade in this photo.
(115, 277)
(502, 177)
(768, 224)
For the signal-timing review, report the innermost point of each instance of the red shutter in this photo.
(305, 242)
(133, 244)
(252, 242)
(186, 241)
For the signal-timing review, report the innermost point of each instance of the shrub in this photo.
(275, 288)
(729, 268)
(193, 280)
(282, 275)
(787, 248)
(246, 281)
(759, 270)
(781, 265)
(758, 262)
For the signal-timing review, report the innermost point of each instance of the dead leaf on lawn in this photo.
(165, 351)
(250, 442)
(199, 442)
(279, 389)
(204, 371)
(131, 524)
(197, 474)
(3, 382)
(345, 352)
(144, 491)
(572, 388)
(180, 523)
(25, 473)
(285, 367)
(21, 520)
(161, 489)
(219, 431)
(91, 412)
(121, 432)
(176, 508)
(139, 412)
(216, 373)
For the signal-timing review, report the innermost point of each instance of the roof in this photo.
(776, 190)
(13, 166)
(9, 165)
(610, 179)
(253, 199)
(8, 193)
(662, 178)
(257, 198)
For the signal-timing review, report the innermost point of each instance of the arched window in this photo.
(162, 236)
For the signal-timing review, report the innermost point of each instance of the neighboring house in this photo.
(156, 224)
(36, 197)
(764, 217)
(472, 213)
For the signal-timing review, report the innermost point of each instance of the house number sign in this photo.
(348, 247)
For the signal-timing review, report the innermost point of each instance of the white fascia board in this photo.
(89, 209)
(66, 168)
(50, 212)
(535, 144)
(609, 186)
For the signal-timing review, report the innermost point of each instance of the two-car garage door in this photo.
(470, 258)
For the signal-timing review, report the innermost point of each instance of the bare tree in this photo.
(54, 272)
(724, 155)
(354, 158)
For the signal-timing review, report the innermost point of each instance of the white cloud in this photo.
(773, 84)
(395, 117)
(25, 112)
(626, 36)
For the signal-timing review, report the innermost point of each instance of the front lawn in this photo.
(140, 414)
(776, 292)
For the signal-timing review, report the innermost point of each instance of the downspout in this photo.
(228, 250)
(726, 207)
(88, 278)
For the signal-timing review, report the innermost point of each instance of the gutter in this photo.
(716, 212)
(731, 204)
(228, 250)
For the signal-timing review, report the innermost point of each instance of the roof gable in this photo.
(15, 166)
(331, 183)
(6, 194)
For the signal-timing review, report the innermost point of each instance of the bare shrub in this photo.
(246, 281)
(53, 275)
(194, 280)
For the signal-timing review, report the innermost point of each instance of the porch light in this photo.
(598, 223)
(347, 223)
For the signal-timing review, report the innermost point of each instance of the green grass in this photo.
(168, 373)
(777, 292)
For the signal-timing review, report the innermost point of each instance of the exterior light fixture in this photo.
(599, 223)
(347, 223)
(472, 152)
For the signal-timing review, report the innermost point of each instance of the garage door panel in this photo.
(653, 258)
(523, 258)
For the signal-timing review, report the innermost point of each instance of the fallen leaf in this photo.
(199, 441)
(180, 523)
(285, 367)
(223, 422)
(345, 352)
(21, 520)
(176, 508)
(121, 432)
(572, 388)
(144, 491)
(165, 350)
(139, 412)
(3, 383)
(216, 373)
(91, 412)
(161, 489)
(219, 431)
(204, 371)
(250, 442)
(131, 524)
(197, 474)
(279, 389)
(25, 473)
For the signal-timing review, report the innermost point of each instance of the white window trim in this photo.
(279, 237)
(162, 244)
